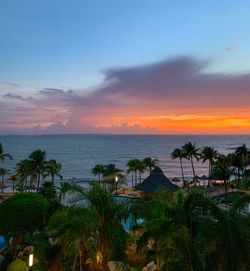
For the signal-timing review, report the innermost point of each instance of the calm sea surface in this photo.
(79, 153)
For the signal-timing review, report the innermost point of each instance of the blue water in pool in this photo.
(2, 243)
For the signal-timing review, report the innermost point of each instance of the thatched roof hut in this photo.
(156, 181)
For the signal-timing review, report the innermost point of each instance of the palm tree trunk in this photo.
(81, 259)
(132, 178)
(2, 184)
(192, 163)
(74, 264)
(209, 169)
(38, 182)
(182, 172)
(26, 184)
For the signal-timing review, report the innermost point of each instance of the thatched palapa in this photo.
(155, 182)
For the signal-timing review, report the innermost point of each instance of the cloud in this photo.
(10, 84)
(174, 82)
(231, 48)
(51, 91)
(170, 96)
(15, 97)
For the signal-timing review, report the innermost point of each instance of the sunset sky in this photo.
(124, 66)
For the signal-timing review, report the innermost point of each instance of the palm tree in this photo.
(111, 173)
(26, 171)
(3, 173)
(98, 170)
(13, 178)
(178, 154)
(227, 230)
(140, 168)
(243, 152)
(150, 163)
(108, 231)
(38, 160)
(175, 224)
(52, 168)
(237, 162)
(3, 155)
(68, 187)
(222, 169)
(132, 169)
(72, 229)
(209, 154)
(190, 152)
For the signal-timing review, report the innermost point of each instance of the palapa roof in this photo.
(156, 181)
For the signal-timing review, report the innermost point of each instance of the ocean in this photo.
(79, 153)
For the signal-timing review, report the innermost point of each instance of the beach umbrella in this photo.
(176, 180)
(203, 178)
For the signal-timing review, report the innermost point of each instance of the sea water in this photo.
(78, 154)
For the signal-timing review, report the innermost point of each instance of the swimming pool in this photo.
(2, 243)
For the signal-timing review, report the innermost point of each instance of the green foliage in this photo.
(22, 213)
(231, 197)
(191, 232)
(18, 265)
(52, 168)
(4, 156)
(109, 233)
(54, 205)
(243, 184)
(47, 190)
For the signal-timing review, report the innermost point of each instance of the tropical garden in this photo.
(182, 231)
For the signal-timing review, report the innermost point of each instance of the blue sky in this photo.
(125, 66)
(62, 43)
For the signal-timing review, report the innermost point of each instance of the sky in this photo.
(124, 66)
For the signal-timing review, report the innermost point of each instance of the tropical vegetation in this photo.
(72, 228)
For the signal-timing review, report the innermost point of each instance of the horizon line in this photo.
(112, 134)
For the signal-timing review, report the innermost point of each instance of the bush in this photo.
(22, 213)
(18, 265)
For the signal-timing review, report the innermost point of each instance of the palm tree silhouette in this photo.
(25, 171)
(98, 170)
(209, 154)
(111, 173)
(132, 169)
(3, 173)
(52, 168)
(140, 167)
(3, 155)
(150, 163)
(178, 154)
(190, 152)
(38, 161)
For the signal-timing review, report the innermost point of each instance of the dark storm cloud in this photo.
(176, 81)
